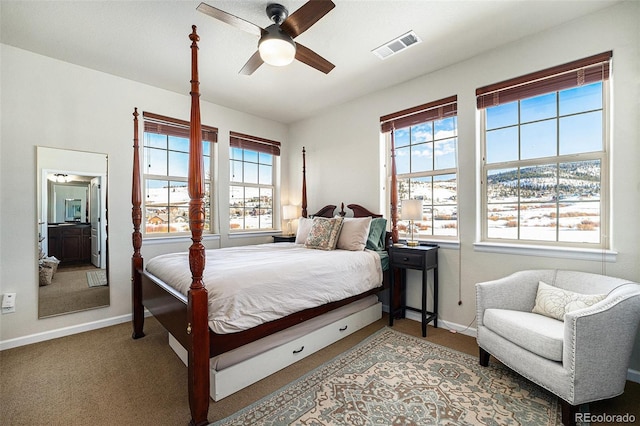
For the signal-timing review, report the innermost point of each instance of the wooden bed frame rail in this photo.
(187, 320)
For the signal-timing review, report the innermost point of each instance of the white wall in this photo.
(50, 103)
(343, 157)
(46, 102)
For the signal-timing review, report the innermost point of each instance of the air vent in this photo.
(396, 45)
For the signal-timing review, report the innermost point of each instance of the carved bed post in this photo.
(394, 191)
(136, 215)
(304, 183)
(197, 300)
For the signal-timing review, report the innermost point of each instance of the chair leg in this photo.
(568, 413)
(484, 358)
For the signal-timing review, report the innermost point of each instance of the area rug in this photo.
(395, 379)
(97, 278)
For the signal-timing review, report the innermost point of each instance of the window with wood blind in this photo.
(544, 156)
(253, 168)
(166, 165)
(424, 141)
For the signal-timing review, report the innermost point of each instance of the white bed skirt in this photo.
(244, 366)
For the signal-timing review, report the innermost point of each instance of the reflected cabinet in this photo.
(70, 243)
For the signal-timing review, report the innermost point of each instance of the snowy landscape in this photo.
(557, 203)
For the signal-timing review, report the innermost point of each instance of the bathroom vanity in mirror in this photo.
(70, 242)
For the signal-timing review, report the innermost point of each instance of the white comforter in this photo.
(251, 285)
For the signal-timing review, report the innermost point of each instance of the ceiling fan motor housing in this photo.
(277, 12)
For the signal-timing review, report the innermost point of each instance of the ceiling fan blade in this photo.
(252, 64)
(311, 58)
(230, 19)
(307, 15)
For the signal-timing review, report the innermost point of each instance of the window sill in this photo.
(254, 234)
(177, 239)
(542, 251)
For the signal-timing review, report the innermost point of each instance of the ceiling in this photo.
(147, 41)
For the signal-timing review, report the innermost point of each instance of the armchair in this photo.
(582, 358)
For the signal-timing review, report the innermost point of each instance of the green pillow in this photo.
(377, 232)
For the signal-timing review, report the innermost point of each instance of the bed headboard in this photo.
(357, 209)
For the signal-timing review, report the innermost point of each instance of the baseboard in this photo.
(633, 375)
(451, 326)
(65, 331)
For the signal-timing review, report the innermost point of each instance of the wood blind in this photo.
(573, 74)
(436, 110)
(254, 143)
(162, 125)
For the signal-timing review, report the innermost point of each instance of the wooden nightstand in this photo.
(422, 258)
(284, 238)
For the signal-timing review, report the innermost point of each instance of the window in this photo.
(253, 175)
(424, 140)
(544, 163)
(166, 165)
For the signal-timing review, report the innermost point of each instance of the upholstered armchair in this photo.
(570, 332)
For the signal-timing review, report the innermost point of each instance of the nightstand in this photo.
(421, 258)
(284, 238)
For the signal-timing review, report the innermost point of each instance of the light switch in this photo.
(8, 303)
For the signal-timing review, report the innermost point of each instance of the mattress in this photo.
(250, 285)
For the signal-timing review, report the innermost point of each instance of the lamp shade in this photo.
(276, 47)
(411, 209)
(289, 212)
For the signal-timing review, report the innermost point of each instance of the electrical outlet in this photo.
(8, 303)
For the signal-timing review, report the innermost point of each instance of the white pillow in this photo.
(354, 233)
(554, 302)
(304, 226)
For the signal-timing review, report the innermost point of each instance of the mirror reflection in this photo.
(72, 231)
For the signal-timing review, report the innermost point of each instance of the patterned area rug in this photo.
(395, 379)
(97, 278)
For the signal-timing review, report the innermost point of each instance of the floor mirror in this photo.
(73, 272)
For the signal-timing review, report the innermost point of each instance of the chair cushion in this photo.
(536, 333)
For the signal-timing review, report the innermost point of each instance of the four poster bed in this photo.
(243, 325)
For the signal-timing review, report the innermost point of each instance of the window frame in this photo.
(602, 155)
(171, 127)
(406, 119)
(259, 146)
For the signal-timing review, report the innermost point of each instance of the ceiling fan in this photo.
(276, 45)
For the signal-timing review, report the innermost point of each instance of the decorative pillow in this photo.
(304, 226)
(377, 232)
(324, 233)
(554, 302)
(354, 233)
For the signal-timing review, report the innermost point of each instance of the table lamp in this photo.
(289, 213)
(411, 210)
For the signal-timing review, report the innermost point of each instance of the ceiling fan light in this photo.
(276, 48)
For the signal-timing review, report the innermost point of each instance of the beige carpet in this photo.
(104, 377)
(69, 291)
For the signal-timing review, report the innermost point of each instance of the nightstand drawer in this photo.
(407, 259)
